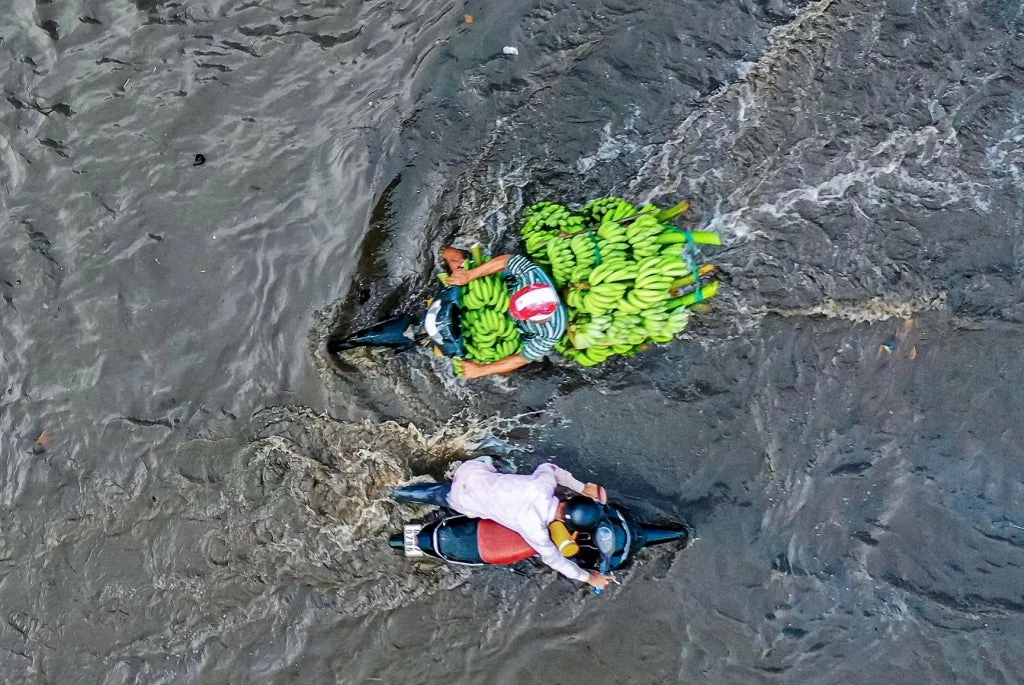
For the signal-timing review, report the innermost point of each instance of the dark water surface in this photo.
(192, 492)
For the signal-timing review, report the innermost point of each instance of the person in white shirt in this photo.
(523, 503)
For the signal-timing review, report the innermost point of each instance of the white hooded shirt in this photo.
(523, 503)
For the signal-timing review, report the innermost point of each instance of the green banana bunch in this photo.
(544, 215)
(583, 248)
(614, 271)
(608, 209)
(642, 235)
(573, 225)
(602, 298)
(488, 291)
(610, 251)
(628, 278)
(592, 356)
(612, 231)
(574, 298)
(488, 332)
(551, 216)
(537, 240)
(562, 261)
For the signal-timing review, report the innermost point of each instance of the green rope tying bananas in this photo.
(487, 329)
(620, 271)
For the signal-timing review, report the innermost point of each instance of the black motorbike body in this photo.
(612, 544)
(441, 324)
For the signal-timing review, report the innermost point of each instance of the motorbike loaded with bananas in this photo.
(627, 276)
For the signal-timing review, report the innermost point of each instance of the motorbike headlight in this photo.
(604, 536)
(430, 322)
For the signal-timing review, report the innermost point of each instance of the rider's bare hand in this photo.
(596, 492)
(471, 369)
(458, 277)
(600, 580)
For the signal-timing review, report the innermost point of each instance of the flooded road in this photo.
(193, 492)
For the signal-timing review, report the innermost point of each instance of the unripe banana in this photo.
(611, 231)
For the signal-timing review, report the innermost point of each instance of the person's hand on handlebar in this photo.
(460, 275)
(599, 581)
(596, 492)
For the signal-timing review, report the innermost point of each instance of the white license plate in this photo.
(412, 549)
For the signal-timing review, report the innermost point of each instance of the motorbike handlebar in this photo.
(600, 591)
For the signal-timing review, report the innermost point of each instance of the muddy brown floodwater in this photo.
(193, 492)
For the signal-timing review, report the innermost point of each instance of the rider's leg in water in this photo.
(423, 493)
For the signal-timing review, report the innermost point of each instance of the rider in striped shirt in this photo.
(535, 308)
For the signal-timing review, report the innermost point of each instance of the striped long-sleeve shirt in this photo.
(538, 338)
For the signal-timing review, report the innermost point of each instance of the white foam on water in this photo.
(613, 145)
(873, 309)
(1006, 155)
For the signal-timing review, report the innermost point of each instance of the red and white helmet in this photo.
(536, 302)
